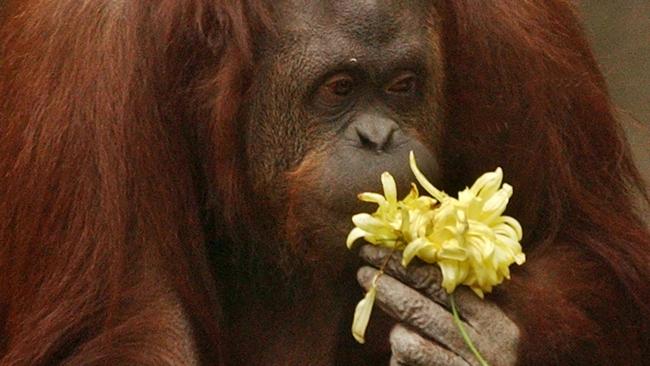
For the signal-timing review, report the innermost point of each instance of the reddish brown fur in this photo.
(583, 297)
(99, 208)
(101, 196)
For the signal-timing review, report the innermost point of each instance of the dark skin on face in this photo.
(344, 90)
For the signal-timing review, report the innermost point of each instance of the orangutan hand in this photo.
(426, 333)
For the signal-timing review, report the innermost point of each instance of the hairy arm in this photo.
(571, 310)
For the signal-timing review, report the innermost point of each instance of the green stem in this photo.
(466, 338)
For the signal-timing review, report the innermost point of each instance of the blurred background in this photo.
(620, 35)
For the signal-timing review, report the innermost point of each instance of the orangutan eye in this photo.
(404, 83)
(335, 89)
(340, 85)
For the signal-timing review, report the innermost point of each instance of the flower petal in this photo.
(513, 223)
(413, 193)
(406, 225)
(453, 252)
(412, 250)
(371, 197)
(487, 183)
(390, 189)
(477, 290)
(368, 222)
(354, 235)
(424, 182)
(496, 204)
(450, 276)
(362, 315)
(520, 258)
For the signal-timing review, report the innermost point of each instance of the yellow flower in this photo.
(395, 222)
(470, 240)
(467, 237)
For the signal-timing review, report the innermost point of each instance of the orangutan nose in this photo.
(375, 132)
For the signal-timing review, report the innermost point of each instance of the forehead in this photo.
(373, 30)
(377, 21)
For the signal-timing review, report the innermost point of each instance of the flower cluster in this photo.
(467, 237)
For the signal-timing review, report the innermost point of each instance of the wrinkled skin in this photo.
(426, 333)
(356, 86)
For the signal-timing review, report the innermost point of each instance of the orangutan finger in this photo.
(421, 276)
(411, 307)
(410, 349)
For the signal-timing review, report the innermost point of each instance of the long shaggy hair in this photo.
(116, 116)
(524, 92)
